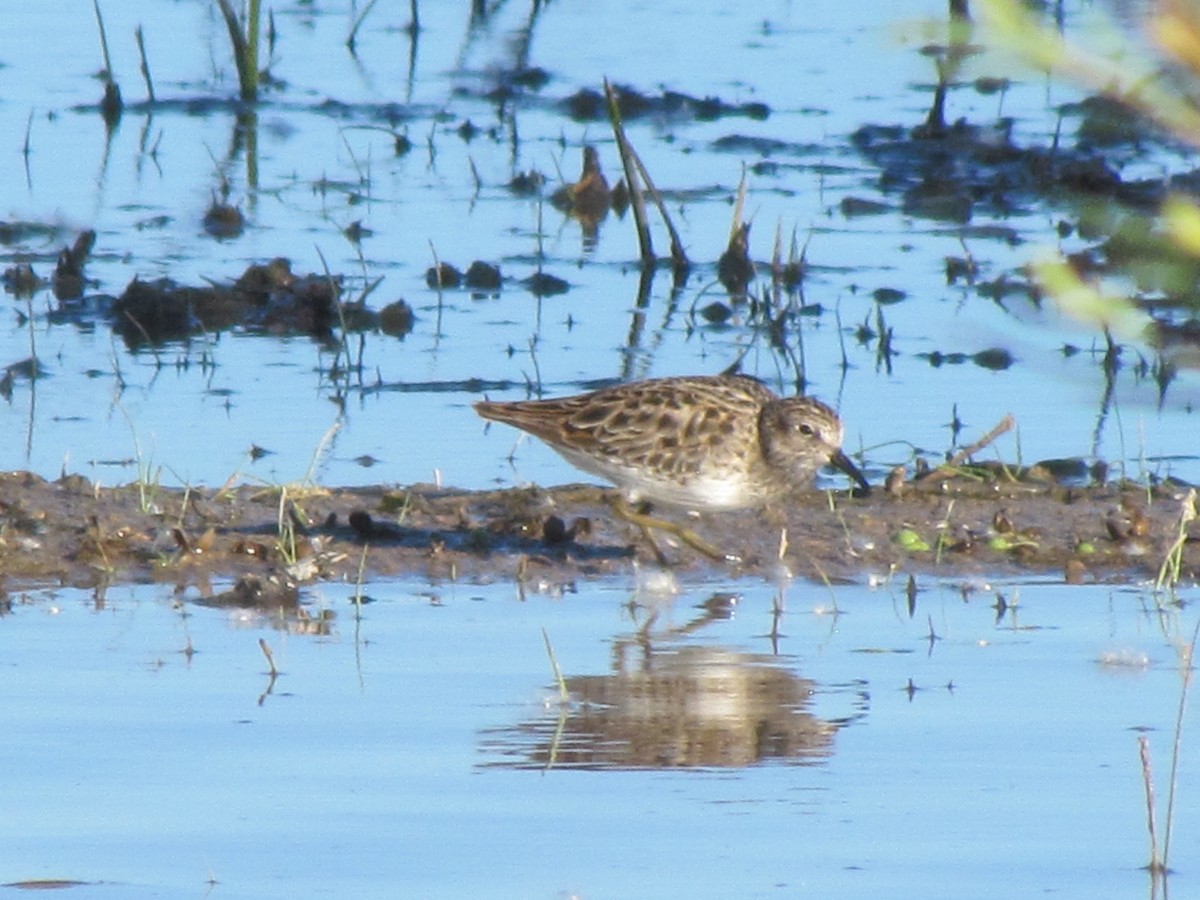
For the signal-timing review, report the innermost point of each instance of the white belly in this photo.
(703, 491)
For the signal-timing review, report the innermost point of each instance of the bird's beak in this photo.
(840, 460)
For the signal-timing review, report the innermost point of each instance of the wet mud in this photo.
(259, 546)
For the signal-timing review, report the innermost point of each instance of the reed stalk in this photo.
(245, 46)
(636, 199)
(145, 64)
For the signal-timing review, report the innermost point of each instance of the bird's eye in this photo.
(806, 430)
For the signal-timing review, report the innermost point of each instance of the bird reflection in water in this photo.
(678, 705)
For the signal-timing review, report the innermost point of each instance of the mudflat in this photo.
(270, 540)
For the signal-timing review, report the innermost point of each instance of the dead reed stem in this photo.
(678, 254)
(352, 38)
(739, 207)
(563, 694)
(636, 174)
(1189, 655)
(1148, 784)
(108, 72)
(145, 64)
(111, 104)
(636, 200)
(266, 651)
(945, 471)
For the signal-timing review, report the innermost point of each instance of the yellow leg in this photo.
(646, 523)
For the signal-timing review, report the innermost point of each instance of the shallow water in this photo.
(744, 743)
(325, 159)
(728, 741)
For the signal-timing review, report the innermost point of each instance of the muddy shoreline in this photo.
(271, 540)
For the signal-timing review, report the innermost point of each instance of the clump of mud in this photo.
(270, 541)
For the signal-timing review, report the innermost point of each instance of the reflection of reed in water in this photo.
(690, 706)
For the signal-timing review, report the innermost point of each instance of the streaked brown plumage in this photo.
(699, 442)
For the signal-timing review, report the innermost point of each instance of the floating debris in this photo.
(527, 184)
(68, 281)
(21, 281)
(222, 221)
(589, 198)
(483, 276)
(266, 297)
(396, 319)
(588, 105)
(443, 275)
(735, 269)
(543, 284)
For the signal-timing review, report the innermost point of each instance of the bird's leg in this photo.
(642, 521)
(647, 522)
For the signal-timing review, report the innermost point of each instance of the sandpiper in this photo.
(699, 442)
